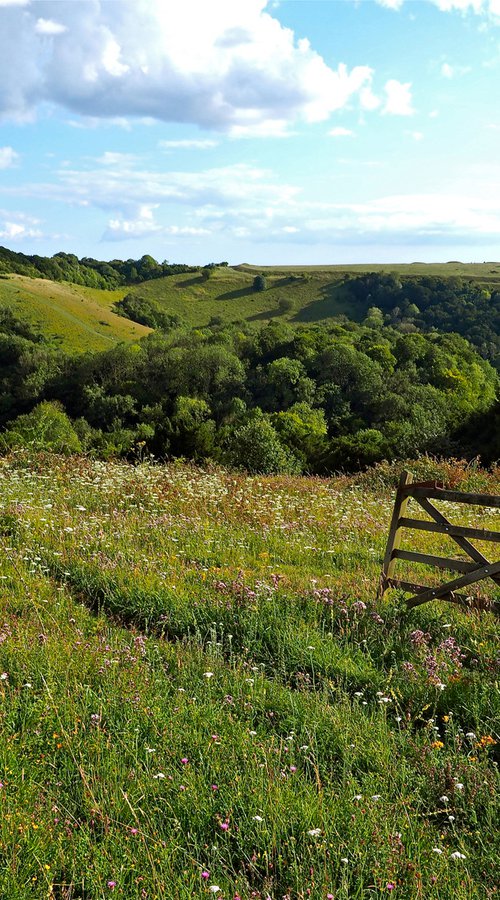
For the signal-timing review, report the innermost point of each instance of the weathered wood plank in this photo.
(462, 542)
(450, 586)
(440, 562)
(481, 534)
(437, 493)
(411, 588)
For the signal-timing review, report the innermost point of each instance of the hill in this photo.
(228, 295)
(74, 317)
(299, 295)
(200, 694)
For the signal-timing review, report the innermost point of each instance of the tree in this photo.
(256, 447)
(46, 427)
(259, 283)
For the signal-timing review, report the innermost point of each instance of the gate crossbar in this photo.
(473, 572)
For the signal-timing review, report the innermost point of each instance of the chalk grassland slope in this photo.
(263, 727)
(229, 294)
(314, 293)
(75, 317)
(81, 318)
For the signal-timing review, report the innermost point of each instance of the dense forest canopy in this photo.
(415, 373)
(273, 398)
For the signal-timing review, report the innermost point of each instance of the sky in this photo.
(282, 132)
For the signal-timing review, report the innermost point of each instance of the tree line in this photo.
(90, 272)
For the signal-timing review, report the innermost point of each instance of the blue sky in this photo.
(301, 131)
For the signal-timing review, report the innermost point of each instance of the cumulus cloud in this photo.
(398, 98)
(48, 26)
(15, 226)
(8, 157)
(239, 70)
(144, 225)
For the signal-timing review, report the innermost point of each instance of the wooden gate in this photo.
(477, 570)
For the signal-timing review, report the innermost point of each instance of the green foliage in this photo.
(46, 427)
(256, 447)
(87, 271)
(259, 283)
(146, 312)
(335, 397)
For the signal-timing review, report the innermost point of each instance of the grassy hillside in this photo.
(75, 317)
(315, 293)
(81, 318)
(200, 695)
(229, 295)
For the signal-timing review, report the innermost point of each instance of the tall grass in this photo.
(200, 695)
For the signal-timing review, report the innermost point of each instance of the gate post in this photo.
(394, 539)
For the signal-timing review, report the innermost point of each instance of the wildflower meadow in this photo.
(201, 695)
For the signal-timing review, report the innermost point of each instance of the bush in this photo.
(256, 447)
(259, 283)
(46, 427)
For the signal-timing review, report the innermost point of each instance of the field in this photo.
(201, 696)
(74, 317)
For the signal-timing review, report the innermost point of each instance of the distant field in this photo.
(487, 272)
(229, 295)
(78, 318)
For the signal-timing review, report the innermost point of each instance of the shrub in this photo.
(256, 447)
(46, 427)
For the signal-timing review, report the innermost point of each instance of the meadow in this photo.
(201, 696)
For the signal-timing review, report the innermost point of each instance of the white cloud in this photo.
(447, 70)
(8, 157)
(188, 144)
(112, 158)
(143, 225)
(477, 7)
(398, 98)
(48, 26)
(15, 226)
(368, 99)
(391, 4)
(239, 69)
(268, 128)
(339, 131)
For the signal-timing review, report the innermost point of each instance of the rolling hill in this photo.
(76, 318)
